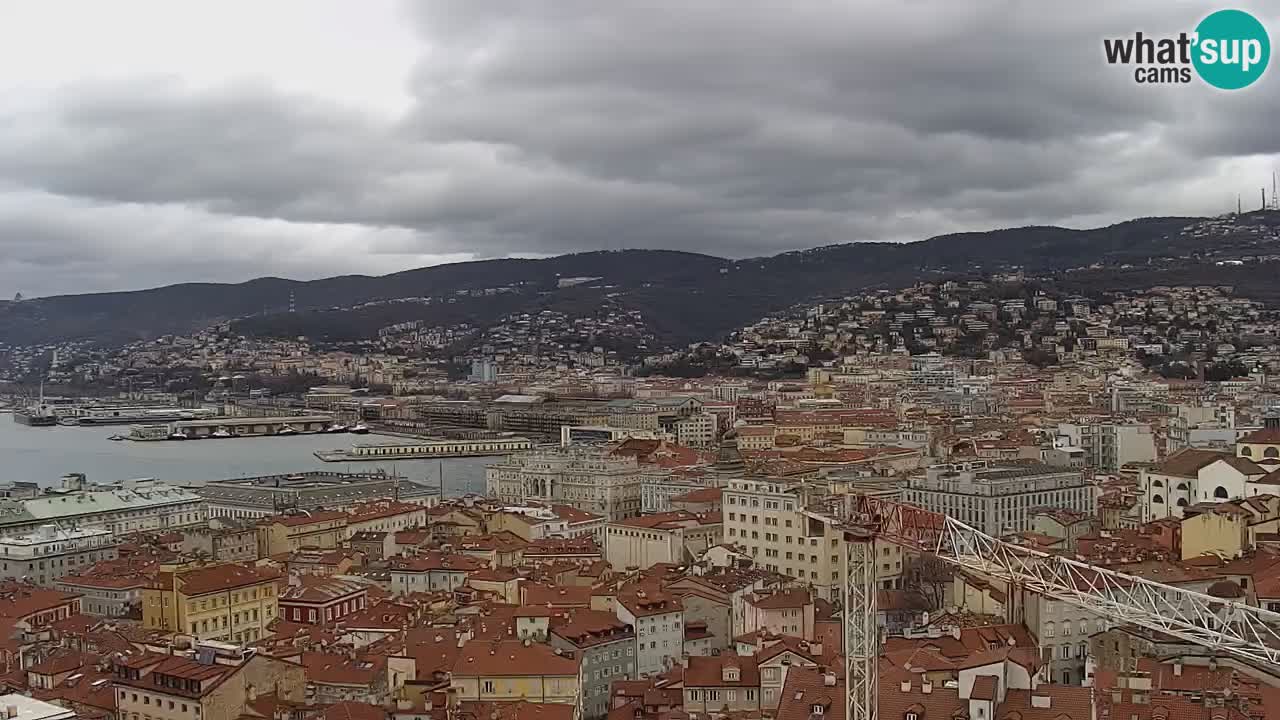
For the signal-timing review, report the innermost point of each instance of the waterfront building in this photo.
(258, 497)
(132, 506)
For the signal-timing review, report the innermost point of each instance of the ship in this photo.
(131, 414)
(35, 416)
(38, 415)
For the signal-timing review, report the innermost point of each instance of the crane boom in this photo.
(1222, 625)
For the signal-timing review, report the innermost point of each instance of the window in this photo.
(817, 709)
(1048, 629)
(488, 686)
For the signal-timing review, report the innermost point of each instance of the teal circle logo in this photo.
(1232, 49)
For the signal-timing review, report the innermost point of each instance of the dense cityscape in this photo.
(456, 360)
(672, 534)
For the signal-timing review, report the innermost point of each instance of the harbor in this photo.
(427, 449)
(240, 427)
(43, 456)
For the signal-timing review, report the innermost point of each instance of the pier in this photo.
(229, 427)
(426, 449)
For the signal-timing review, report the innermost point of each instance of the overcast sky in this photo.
(149, 142)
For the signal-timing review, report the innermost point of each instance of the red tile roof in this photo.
(218, 578)
(710, 671)
(512, 659)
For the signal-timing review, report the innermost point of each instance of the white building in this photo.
(768, 517)
(1191, 476)
(22, 707)
(658, 619)
(676, 537)
(50, 553)
(1110, 446)
(588, 479)
(697, 431)
(135, 506)
(997, 499)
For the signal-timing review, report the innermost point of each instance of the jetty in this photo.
(426, 449)
(232, 427)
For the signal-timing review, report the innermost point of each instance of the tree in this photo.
(930, 576)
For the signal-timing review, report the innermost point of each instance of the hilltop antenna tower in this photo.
(1238, 211)
(1275, 199)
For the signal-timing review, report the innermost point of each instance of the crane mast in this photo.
(1224, 626)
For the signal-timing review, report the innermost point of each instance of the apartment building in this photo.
(714, 684)
(588, 479)
(385, 516)
(108, 589)
(132, 506)
(321, 601)
(772, 520)
(432, 572)
(781, 612)
(49, 553)
(222, 544)
(697, 431)
(658, 619)
(213, 682)
(324, 530)
(996, 498)
(512, 671)
(607, 647)
(230, 603)
(1110, 446)
(675, 537)
(37, 607)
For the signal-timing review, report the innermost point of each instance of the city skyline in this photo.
(148, 143)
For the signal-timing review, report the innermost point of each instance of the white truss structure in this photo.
(862, 630)
(1224, 626)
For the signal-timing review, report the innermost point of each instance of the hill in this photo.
(684, 296)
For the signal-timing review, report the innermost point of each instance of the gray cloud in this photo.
(725, 127)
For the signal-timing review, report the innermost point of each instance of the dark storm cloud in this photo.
(725, 127)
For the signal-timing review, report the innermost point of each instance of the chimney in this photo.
(926, 687)
(1177, 668)
(1042, 701)
(906, 685)
(11, 711)
(955, 632)
(251, 692)
(829, 679)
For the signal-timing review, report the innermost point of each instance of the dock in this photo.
(427, 449)
(233, 427)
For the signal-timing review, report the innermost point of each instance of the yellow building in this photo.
(1262, 446)
(230, 603)
(511, 671)
(1227, 529)
(289, 533)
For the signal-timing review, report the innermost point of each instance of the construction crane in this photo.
(1223, 626)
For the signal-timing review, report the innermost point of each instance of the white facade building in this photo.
(135, 506)
(50, 553)
(997, 499)
(588, 479)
